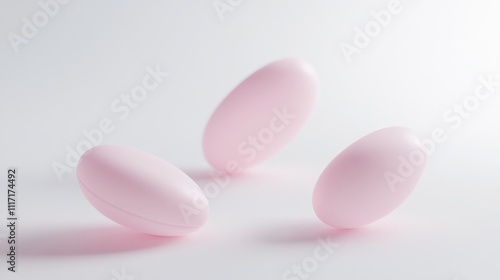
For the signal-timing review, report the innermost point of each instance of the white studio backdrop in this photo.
(420, 68)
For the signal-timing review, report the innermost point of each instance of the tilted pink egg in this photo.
(370, 178)
(260, 116)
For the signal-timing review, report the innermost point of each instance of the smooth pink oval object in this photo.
(370, 178)
(260, 116)
(141, 191)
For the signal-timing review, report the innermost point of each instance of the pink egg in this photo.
(141, 191)
(370, 178)
(260, 116)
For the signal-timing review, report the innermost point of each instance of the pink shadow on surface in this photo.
(299, 232)
(205, 175)
(310, 231)
(88, 241)
(253, 176)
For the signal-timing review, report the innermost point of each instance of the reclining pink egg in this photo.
(141, 191)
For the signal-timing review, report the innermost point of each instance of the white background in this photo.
(428, 58)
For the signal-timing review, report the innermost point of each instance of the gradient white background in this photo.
(427, 59)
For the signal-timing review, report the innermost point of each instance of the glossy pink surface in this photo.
(141, 191)
(370, 178)
(260, 116)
